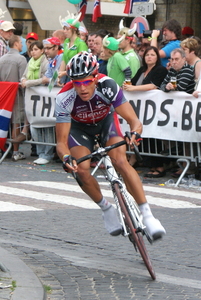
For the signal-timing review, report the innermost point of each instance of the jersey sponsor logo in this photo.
(108, 91)
(88, 117)
(68, 101)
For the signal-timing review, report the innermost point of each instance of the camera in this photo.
(147, 33)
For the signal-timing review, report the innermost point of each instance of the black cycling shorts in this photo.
(84, 134)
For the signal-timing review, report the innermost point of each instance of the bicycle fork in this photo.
(113, 178)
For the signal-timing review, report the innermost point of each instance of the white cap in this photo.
(6, 26)
(83, 29)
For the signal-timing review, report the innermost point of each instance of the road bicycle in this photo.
(127, 208)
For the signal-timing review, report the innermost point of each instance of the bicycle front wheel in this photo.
(136, 236)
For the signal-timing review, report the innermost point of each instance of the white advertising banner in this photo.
(169, 116)
(40, 105)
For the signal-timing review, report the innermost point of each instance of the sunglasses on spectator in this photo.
(83, 82)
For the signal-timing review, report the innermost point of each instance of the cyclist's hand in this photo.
(133, 138)
(70, 164)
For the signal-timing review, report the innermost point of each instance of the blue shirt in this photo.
(24, 45)
(54, 64)
(168, 49)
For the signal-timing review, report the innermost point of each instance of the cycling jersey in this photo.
(107, 96)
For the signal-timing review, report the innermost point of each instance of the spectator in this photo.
(187, 32)
(126, 49)
(100, 54)
(83, 33)
(6, 32)
(90, 42)
(184, 81)
(142, 48)
(51, 47)
(12, 66)
(36, 67)
(148, 77)
(30, 38)
(134, 42)
(117, 66)
(73, 44)
(19, 31)
(61, 36)
(191, 48)
(172, 33)
(180, 70)
(33, 76)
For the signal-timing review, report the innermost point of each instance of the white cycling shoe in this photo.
(154, 227)
(111, 220)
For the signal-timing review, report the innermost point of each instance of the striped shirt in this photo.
(185, 79)
(3, 46)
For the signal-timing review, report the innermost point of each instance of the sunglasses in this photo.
(83, 82)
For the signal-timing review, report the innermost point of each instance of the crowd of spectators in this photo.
(136, 64)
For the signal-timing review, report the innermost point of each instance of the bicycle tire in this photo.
(137, 236)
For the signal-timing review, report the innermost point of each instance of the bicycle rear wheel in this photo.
(135, 236)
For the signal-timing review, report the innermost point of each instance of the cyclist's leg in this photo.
(91, 187)
(135, 188)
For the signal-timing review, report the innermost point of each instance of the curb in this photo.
(28, 284)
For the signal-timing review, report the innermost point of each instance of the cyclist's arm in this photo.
(126, 111)
(62, 133)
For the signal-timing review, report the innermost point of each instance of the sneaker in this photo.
(41, 161)
(154, 227)
(111, 220)
(18, 156)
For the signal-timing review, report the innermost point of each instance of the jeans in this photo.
(44, 135)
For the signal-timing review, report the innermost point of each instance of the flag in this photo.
(83, 8)
(8, 92)
(129, 7)
(97, 11)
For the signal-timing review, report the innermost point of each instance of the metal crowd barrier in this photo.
(182, 152)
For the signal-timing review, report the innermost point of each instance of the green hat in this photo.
(111, 43)
(71, 20)
(71, 23)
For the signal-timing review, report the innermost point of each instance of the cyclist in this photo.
(86, 106)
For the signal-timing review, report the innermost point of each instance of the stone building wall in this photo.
(187, 12)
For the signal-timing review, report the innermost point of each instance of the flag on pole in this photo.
(83, 8)
(8, 92)
(129, 7)
(97, 11)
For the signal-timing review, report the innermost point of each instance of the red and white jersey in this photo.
(107, 96)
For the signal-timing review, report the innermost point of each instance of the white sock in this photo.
(145, 209)
(104, 204)
(15, 152)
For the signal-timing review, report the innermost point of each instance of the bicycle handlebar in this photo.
(103, 151)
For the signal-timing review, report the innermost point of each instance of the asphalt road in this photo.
(58, 232)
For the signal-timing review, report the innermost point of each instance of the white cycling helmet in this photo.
(82, 65)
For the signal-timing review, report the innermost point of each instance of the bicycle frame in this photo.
(128, 210)
(134, 211)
